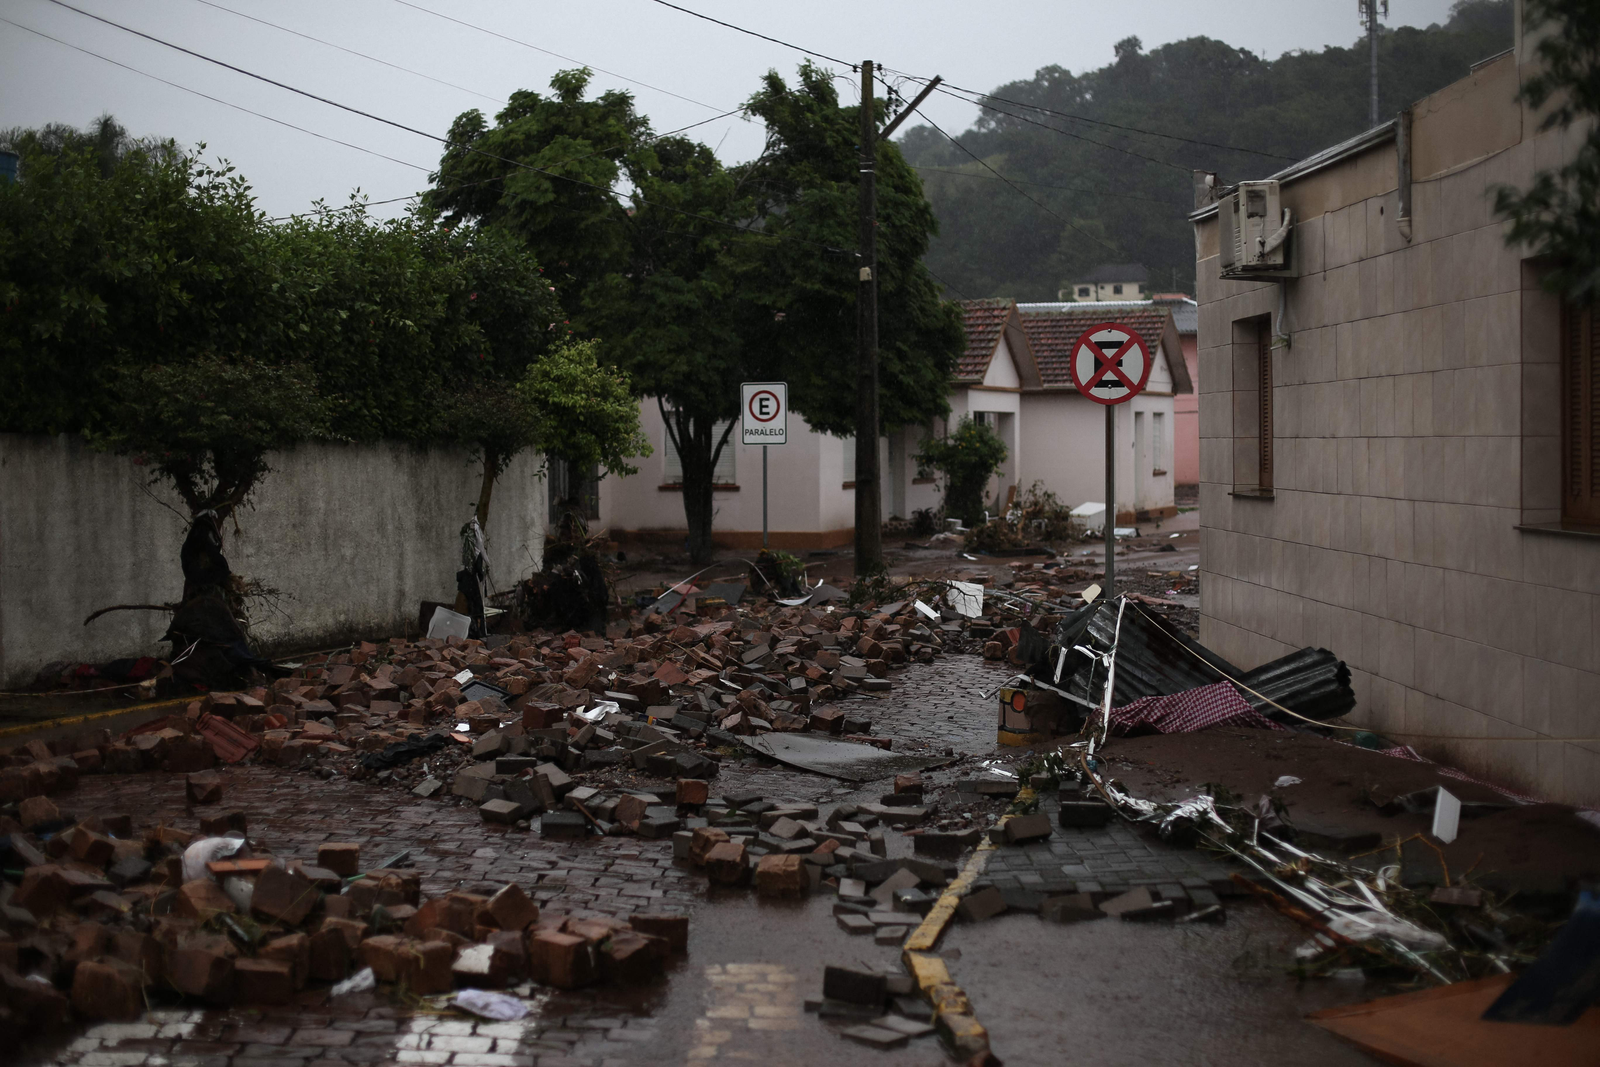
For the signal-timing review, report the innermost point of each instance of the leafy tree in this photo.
(1122, 196)
(583, 411)
(802, 284)
(698, 276)
(162, 260)
(1559, 214)
(105, 140)
(546, 171)
(967, 457)
(673, 314)
(207, 425)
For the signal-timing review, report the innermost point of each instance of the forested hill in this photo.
(1115, 195)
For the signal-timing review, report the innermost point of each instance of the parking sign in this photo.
(764, 413)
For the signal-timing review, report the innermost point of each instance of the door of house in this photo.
(1141, 460)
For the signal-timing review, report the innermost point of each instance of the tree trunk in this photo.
(491, 470)
(698, 448)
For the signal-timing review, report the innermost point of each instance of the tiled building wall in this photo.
(1416, 428)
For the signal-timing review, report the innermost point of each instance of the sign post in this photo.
(1110, 365)
(764, 421)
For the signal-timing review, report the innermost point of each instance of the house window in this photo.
(1117, 289)
(1264, 402)
(1580, 415)
(570, 487)
(1252, 409)
(1158, 442)
(724, 473)
(1083, 290)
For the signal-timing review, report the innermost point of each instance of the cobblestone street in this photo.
(737, 997)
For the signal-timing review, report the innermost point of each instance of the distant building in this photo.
(1013, 376)
(1185, 405)
(1111, 281)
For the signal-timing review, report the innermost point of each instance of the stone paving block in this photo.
(854, 986)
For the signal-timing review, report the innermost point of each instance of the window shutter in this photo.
(1264, 398)
(1580, 416)
(725, 473)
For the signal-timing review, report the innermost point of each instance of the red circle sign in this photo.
(764, 405)
(1110, 363)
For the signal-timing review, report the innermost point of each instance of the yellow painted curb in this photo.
(952, 1010)
(91, 717)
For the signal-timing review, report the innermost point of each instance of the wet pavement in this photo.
(1100, 992)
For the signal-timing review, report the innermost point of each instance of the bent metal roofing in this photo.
(1053, 333)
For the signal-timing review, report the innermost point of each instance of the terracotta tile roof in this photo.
(1052, 334)
(985, 320)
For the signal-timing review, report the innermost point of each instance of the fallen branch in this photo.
(131, 607)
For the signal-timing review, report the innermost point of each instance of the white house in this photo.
(1013, 375)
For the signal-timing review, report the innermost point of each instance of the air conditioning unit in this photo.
(1255, 231)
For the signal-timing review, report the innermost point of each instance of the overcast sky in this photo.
(681, 69)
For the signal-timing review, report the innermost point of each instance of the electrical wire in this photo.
(435, 137)
(559, 163)
(353, 52)
(213, 99)
(764, 37)
(1062, 114)
(546, 51)
(1056, 129)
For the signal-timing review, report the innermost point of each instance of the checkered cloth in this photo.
(1188, 711)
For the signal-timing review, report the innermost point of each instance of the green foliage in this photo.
(163, 260)
(515, 174)
(803, 291)
(874, 587)
(699, 277)
(582, 411)
(410, 324)
(149, 306)
(1559, 214)
(779, 571)
(966, 458)
(993, 242)
(206, 425)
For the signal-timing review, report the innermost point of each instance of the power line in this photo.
(213, 99)
(353, 52)
(1056, 129)
(433, 136)
(1036, 107)
(546, 51)
(558, 163)
(753, 33)
(1019, 190)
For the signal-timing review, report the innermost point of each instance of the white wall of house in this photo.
(808, 502)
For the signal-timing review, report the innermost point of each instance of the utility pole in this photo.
(869, 506)
(1370, 10)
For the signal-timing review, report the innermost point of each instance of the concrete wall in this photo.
(356, 536)
(1415, 423)
(1186, 419)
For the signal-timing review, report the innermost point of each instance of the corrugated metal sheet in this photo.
(1153, 659)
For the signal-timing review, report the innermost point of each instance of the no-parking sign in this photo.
(1110, 363)
(764, 413)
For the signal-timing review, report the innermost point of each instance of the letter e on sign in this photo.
(764, 413)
